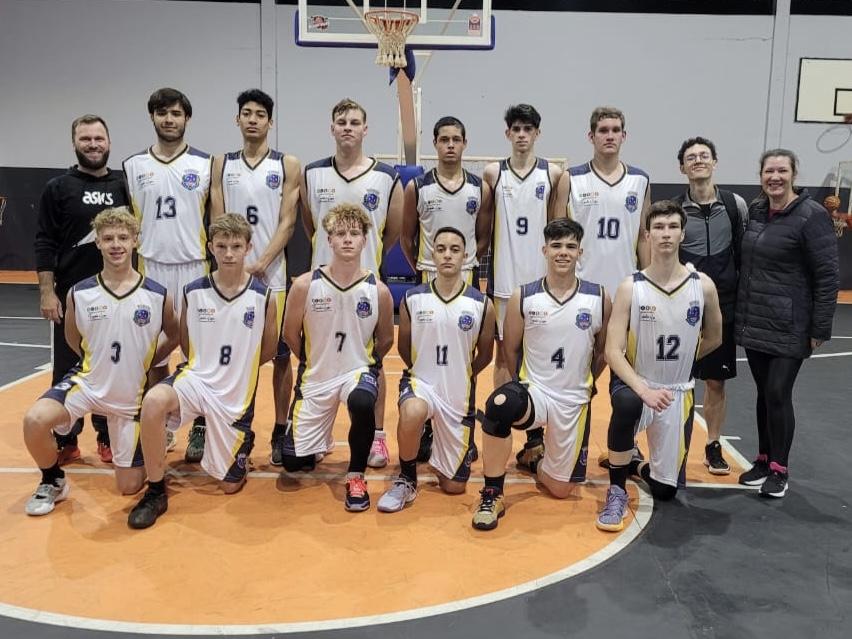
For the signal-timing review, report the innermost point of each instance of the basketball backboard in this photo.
(825, 90)
(442, 24)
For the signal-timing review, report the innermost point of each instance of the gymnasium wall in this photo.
(674, 75)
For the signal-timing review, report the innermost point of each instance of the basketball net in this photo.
(391, 28)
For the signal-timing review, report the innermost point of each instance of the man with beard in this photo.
(66, 253)
(169, 184)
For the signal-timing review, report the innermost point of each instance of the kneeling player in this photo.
(662, 317)
(446, 332)
(339, 323)
(113, 322)
(228, 330)
(556, 330)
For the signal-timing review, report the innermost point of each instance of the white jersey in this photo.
(326, 188)
(610, 215)
(169, 199)
(444, 334)
(520, 215)
(438, 207)
(559, 340)
(338, 328)
(119, 339)
(665, 330)
(255, 192)
(225, 338)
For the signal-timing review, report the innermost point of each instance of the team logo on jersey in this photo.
(472, 205)
(539, 190)
(371, 200)
(647, 313)
(190, 180)
(584, 319)
(693, 314)
(631, 202)
(273, 180)
(364, 309)
(248, 318)
(466, 321)
(142, 315)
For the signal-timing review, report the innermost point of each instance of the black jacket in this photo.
(789, 278)
(68, 205)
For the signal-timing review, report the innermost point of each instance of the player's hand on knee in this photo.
(659, 399)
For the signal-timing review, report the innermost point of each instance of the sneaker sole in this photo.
(717, 471)
(769, 495)
(753, 482)
(610, 527)
(374, 464)
(385, 509)
(356, 508)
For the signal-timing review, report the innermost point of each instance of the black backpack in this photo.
(733, 211)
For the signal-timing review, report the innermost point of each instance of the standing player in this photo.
(446, 337)
(350, 176)
(715, 221)
(263, 185)
(556, 330)
(65, 251)
(446, 196)
(610, 200)
(339, 323)
(528, 193)
(227, 330)
(169, 184)
(113, 322)
(663, 318)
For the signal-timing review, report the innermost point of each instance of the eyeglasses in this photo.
(692, 158)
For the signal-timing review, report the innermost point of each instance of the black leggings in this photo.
(774, 377)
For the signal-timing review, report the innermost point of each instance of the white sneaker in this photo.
(45, 497)
(378, 457)
(401, 493)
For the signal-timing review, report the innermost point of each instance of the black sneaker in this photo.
(756, 475)
(775, 485)
(473, 451)
(145, 513)
(195, 446)
(424, 453)
(716, 464)
(277, 442)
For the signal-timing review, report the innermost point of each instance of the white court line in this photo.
(22, 345)
(24, 379)
(20, 317)
(642, 515)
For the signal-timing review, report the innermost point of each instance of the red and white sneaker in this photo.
(357, 497)
(105, 452)
(379, 456)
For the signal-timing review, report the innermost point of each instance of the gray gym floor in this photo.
(714, 563)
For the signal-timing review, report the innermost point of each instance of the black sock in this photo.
(618, 475)
(157, 487)
(408, 469)
(633, 466)
(279, 429)
(50, 475)
(535, 434)
(495, 482)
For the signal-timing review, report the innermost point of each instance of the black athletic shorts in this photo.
(721, 363)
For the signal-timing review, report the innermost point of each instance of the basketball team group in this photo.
(184, 249)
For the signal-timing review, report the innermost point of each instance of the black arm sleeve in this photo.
(47, 232)
(822, 262)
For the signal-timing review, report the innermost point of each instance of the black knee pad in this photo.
(626, 411)
(294, 463)
(500, 417)
(361, 402)
(659, 490)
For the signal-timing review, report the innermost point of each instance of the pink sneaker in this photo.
(378, 451)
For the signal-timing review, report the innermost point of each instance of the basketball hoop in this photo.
(839, 220)
(391, 28)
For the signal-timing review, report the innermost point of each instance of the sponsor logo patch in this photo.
(320, 304)
(206, 314)
(647, 313)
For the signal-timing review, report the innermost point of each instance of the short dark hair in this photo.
(89, 118)
(603, 113)
(165, 97)
(256, 95)
(784, 153)
(692, 142)
(448, 120)
(662, 208)
(525, 113)
(450, 229)
(563, 227)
